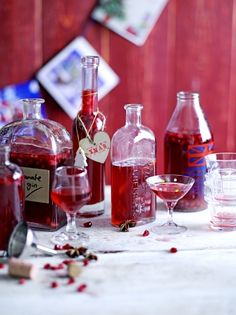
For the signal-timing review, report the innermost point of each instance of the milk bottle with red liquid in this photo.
(12, 196)
(133, 159)
(38, 146)
(188, 139)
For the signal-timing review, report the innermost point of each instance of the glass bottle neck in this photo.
(32, 108)
(188, 99)
(4, 154)
(133, 114)
(89, 84)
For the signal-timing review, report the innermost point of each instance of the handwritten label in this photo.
(99, 150)
(36, 184)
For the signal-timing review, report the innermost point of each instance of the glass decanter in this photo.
(38, 146)
(188, 139)
(133, 158)
(90, 142)
(12, 196)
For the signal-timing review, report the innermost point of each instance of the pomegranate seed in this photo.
(81, 287)
(70, 281)
(88, 224)
(47, 266)
(58, 247)
(54, 285)
(173, 250)
(1, 266)
(21, 281)
(146, 233)
(85, 262)
(68, 261)
(67, 246)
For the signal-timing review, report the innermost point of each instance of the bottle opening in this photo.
(133, 106)
(188, 95)
(90, 61)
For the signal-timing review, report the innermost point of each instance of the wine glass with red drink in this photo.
(70, 191)
(170, 188)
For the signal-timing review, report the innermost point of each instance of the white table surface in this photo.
(145, 278)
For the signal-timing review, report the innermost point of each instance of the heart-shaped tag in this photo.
(99, 150)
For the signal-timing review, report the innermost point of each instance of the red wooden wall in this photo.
(192, 47)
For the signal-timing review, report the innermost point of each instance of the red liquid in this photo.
(96, 171)
(11, 207)
(39, 214)
(184, 154)
(131, 197)
(69, 199)
(169, 191)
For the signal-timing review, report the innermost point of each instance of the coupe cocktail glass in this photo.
(170, 188)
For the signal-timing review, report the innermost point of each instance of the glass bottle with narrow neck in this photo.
(133, 158)
(88, 122)
(188, 139)
(12, 196)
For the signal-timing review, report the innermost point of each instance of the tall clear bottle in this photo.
(38, 146)
(133, 158)
(12, 196)
(90, 143)
(188, 139)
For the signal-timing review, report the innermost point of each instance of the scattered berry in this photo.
(85, 262)
(173, 250)
(21, 281)
(81, 288)
(70, 281)
(1, 266)
(54, 284)
(87, 224)
(68, 261)
(146, 233)
(47, 266)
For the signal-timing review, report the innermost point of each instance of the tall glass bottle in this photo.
(133, 158)
(12, 196)
(38, 146)
(90, 142)
(188, 139)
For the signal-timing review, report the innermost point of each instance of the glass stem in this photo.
(71, 224)
(170, 207)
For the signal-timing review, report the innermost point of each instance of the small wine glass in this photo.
(70, 191)
(170, 188)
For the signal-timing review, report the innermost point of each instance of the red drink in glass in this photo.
(70, 199)
(11, 207)
(169, 191)
(132, 198)
(41, 215)
(184, 154)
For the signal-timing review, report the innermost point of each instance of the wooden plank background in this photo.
(192, 47)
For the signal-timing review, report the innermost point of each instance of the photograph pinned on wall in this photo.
(61, 76)
(10, 107)
(131, 19)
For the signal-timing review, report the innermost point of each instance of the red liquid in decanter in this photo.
(132, 198)
(11, 205)
(184, 154)
(41, 214)
(93, 123)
